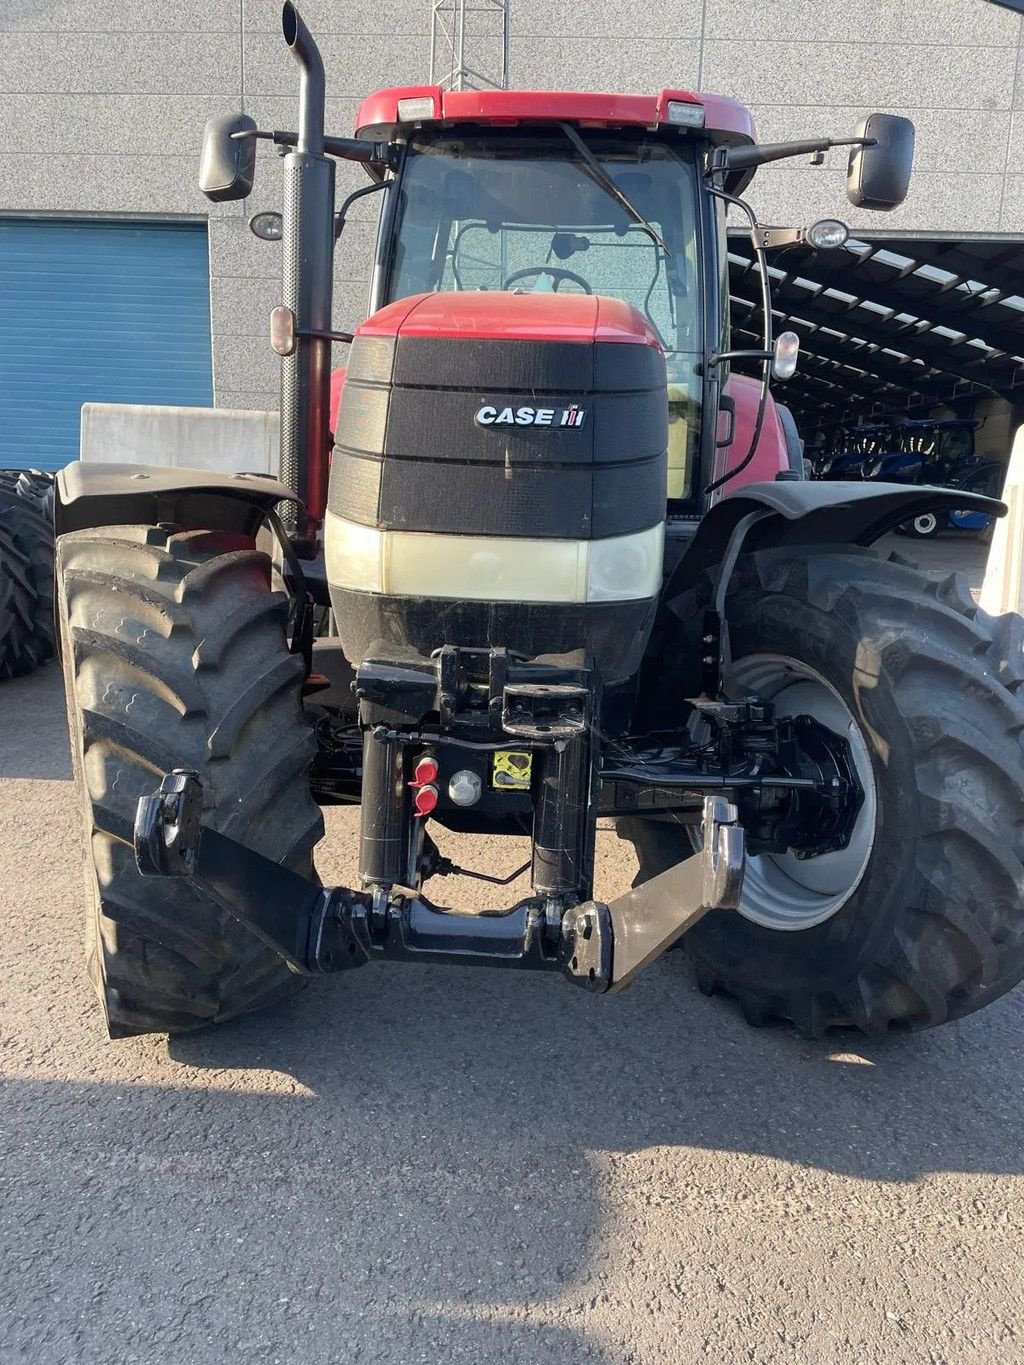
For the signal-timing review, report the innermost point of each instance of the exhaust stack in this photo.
(308, 241)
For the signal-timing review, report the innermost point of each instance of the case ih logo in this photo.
(490, 416)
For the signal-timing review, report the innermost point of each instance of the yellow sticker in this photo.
(512, 770)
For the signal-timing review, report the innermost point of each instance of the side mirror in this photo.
(879, 176)
(227, 164)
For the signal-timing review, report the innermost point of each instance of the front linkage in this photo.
(432, 729)
(320, 929)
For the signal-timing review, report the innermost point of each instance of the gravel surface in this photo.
(432, 1165)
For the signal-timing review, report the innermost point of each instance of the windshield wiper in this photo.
(598, 173)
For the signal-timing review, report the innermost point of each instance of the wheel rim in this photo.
(926, 525)
(781, 891)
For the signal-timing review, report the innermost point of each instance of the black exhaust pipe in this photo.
(308, 242)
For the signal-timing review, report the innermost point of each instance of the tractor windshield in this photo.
(943, 443)
(513, 210)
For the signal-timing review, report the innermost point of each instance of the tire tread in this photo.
(138, 605)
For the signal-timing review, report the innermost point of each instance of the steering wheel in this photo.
(555, 271)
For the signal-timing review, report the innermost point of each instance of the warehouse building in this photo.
(120, 282)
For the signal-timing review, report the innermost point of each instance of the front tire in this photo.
(932, 925)
(175, 657)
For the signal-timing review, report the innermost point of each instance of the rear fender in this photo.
(802, 512)
(792, 513)
(93, 495)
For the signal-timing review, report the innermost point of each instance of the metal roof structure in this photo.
(889, 326)
(459, 28)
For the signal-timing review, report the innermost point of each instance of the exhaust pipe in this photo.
(312, 83)
(308, 243)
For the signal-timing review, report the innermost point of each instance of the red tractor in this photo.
(557, 599)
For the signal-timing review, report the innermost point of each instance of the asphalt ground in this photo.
(431, 1165)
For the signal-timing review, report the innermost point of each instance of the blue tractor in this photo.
(938, 451)
(856, 451)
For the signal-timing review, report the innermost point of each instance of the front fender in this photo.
(811, 513)
(91, 495)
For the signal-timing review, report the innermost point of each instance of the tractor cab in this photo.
(860, 453)
(924, 450)
(944, 448)
(572, 194)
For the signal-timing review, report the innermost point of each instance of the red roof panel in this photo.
(726, 120)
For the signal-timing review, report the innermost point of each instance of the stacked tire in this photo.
(26, 571)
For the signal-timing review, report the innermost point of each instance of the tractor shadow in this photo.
(169, 1222)
(483, 1062)
(419, 1164)
(485, 1115)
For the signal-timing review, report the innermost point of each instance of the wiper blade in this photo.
(598, 173)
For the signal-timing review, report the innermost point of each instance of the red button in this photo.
(426, 771)
(425, 799)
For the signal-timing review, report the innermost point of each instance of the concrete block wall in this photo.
(954, 66)
(102, 104)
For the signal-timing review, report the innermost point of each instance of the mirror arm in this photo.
(345, 148)
(720, 164)
(748, 158)
(342, 215)
(720, 357)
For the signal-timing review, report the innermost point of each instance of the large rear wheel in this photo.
(26, 511)
(18, 601)
(175, 656)
(921, 918)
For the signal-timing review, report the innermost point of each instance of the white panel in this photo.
(354, 554)
(493, 568)
(623, 568)
(200, 438)
(1003, 589)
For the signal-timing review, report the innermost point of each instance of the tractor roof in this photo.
(726, 121)
(947, 423)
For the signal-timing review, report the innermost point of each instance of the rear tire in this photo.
(19, 650)
(934, 927)
(925, 527)
(175, 656)
(26, 507)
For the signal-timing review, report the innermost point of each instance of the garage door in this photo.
(97, 312)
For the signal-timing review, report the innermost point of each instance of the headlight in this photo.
(625, 568)
(827, 234)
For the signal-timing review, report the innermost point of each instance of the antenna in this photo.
(469, 38)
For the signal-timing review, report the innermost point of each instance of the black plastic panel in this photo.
(486, 500)
(359, 477)
(628, 498)
(615, 633)
(371, 359)
(444, 472)
(567, 503)
(465, 362)
(621, 367)
(442, 423)
(363, 418)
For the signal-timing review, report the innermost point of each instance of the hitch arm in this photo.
(648, 919)
(318, 929)
(287, 911)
